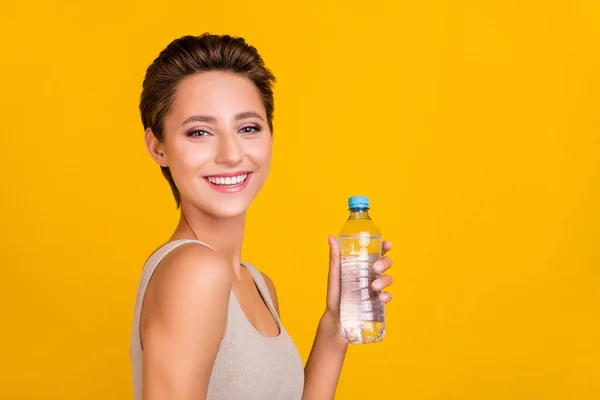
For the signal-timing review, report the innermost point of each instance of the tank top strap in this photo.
(262, 287)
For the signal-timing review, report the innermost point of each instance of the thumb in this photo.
(334, 263)
(334, 254)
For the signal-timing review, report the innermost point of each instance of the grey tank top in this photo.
(249, 366)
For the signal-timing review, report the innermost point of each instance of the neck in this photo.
(225, 235)
(359, 214)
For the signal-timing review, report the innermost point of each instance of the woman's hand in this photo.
(326, 358)
(334, 286)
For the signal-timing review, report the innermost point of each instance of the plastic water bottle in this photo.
(362, 313)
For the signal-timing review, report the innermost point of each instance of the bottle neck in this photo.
(359, 213)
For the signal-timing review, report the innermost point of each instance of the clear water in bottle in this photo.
(362, 313)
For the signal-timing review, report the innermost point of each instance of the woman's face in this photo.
(217, 142)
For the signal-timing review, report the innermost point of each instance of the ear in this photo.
(155, 148)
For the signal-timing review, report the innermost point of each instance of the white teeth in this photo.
(231, 181)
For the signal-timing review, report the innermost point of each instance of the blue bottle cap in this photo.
(358, 202)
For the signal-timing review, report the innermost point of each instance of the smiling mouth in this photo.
(229, 181)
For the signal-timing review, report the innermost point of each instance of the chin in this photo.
(226, 210)
(217, 207)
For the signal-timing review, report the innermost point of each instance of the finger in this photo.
(382, 264)
(383, 282)
(385, 247)
(385, 297)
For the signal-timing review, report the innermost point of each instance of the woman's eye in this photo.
(198, 133)
(250, 129)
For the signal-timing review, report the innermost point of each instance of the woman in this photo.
(209, 327)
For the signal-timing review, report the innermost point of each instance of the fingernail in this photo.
(385, 297)
(377, 267)
(377, 285)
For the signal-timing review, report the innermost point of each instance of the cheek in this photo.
(187, 157)
(260, 152)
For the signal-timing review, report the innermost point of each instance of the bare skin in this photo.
(190, 289)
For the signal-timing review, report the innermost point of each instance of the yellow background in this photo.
(472, 125)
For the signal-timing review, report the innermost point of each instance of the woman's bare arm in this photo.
(183, 322)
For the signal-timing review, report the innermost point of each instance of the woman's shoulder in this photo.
(187, 277)
(185, 265)
(191, 259)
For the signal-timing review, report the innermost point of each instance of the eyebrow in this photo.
(246, 115)
(209, 119)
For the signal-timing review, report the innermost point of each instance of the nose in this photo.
(229, 151)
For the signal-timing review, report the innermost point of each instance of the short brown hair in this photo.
(189, 55)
